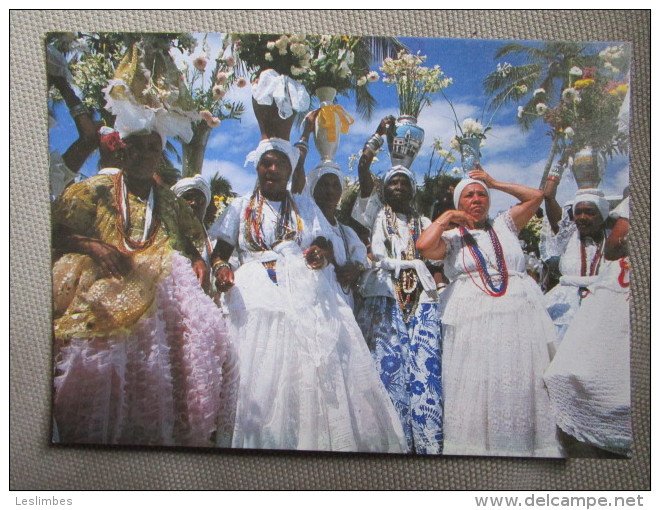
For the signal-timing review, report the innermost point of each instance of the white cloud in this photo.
(242, 179)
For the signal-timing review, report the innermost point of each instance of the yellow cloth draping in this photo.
(327, 117)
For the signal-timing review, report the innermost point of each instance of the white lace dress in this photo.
(589, 378)
(495, 350)
(307, 380)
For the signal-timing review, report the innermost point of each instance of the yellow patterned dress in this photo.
(141, 359)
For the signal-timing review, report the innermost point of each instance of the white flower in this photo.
(343, 70)
(539, 91)
(297, 71)
(522, 89)
(457, 171)
(541, 108)
(472, 127)
(362, 81)
(221, 78)
(200, 63)
(218, 92)
(299, 49)
(268, 56)
(270, 45)
(610, 67)
(282, 51)
(437, 144)
(282, 43)
(520, 112)
(504, 69)
(455, 144)
(569, 94)
(575, 71)
(230, 61)
(568, 132)
(326, 40)
(372, 76)
(241, 82)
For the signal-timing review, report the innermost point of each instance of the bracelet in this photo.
(219, 264)
(556, 171)
(552, 178)
(301, 144)
(78, 109)
(374, 143)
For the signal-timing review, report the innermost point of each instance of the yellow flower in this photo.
(583, 84)
(620, 90)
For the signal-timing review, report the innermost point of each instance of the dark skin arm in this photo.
(224, 277)
(112, 262)
(298, 178)
(198, 264)
(616, 244)
(87, 141)
(366, 179)
(552, 208)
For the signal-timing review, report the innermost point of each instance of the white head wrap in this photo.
(108, 171)
(400, 169)
(326, 167)
(276, 144)
(594, 196)
(196, 182)
(461, 186)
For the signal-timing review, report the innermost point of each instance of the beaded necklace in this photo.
(493, 286)
(593, 267)
(289, 224)
(123, 219)
(406, 286)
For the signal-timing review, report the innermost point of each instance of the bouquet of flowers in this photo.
(415, 84)
(587, 111)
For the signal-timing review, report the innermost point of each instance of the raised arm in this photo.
(369, 151)
(298, 179)
(430, 243)
(552, 208)
(530, 198)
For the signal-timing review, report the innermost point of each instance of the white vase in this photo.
(406, 141)
(327, 142)
(588, 168)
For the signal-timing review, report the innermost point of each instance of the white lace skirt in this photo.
(170, 380)
(589, 378)
(495, 350)
(307, 379)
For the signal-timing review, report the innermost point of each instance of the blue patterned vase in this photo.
(407, 141)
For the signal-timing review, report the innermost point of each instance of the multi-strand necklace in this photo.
(123, 220)
(496, 285)
(406, 286)
(288, 226)
(593, 266)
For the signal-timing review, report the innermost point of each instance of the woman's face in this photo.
(143, 155)
(273, 172)
(197, 202)
(399, 192)
(474, 200)
(587, 218)
(327, 192)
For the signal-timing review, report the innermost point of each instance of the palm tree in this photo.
(548, 69)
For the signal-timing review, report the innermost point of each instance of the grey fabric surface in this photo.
(34, 464)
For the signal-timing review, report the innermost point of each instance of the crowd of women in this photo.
(281, 328)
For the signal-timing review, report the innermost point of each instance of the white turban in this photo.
(593, 196)
(400, 169)
(276, 144)
(326, 167)
(461, 186)
(196, 182)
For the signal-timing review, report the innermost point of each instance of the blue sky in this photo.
(509, 154)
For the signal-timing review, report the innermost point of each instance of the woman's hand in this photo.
(481, 175)
(202, 272)
(348, 274)
(454, 218)
(112, 262)
(319, 254)
(224, 279)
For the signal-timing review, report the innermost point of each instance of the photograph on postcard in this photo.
(340, 243)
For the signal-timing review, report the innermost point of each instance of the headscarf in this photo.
(326, 167)
(400, 169)
(594, 196)
(196, 182)
(270, 144)
(461, 186)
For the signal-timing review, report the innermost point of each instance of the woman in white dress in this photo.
(589, 378)
(495, 329)
(306, 377)
(325, 185)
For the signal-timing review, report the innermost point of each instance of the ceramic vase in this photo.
(406, 142)
(470, 154)
(588, 168)
(326, 141)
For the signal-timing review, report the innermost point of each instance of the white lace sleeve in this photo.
(365, 210)
(554, 245)
(227, 226)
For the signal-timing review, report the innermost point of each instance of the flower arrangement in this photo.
(209, 87)
(587, 109)
(415, 84)
(441, 159)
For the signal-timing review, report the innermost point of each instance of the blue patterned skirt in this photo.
(408, 359)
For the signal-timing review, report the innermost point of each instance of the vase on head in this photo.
(326, 129)
(470, 154)
(588, 168)
(406, 141)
